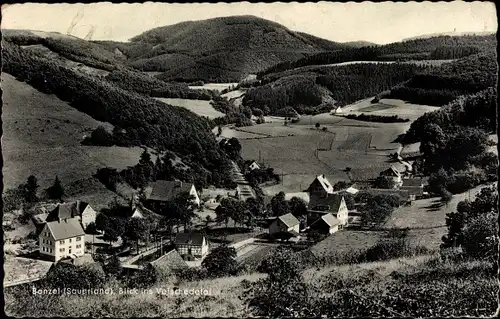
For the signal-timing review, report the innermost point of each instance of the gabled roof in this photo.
(413, 190)
(391, 171)
(413, 182)
(325, 183)
(67, 210)
(40, 218)
(332, 201)
(167, 190)
(329, 219)
(67, 228)
(193, 238)
(289, 220)
(171, 260)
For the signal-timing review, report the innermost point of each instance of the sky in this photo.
(380, 23)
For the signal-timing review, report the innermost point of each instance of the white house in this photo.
(191, 244)
(164, 191)
(285, 223)
(331, 204)
(254, 165)
(327, 224)
(394, 175)
(320, 186)
(62, 238)
(80, 210)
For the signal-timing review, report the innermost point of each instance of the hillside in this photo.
(140, 121)
(218, 50)
(440, 86)
(400, 287)
(436, 48)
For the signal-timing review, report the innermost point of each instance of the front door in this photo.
(190, 252)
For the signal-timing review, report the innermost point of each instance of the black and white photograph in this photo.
(238, 159)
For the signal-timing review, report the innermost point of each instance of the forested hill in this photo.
(218, 50)
(138, 120)
(437, 48)
(442, 85)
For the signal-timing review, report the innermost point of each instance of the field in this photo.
(200, 107)
(389, 107)
(42, 135)
(290, 150)
(426, 218)
(213, 86)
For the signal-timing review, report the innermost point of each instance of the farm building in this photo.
(80, 210)
(353, 189)
(393, 174)
(169, 263)
(320, 186)
(326, 224)
(191, 245)
(164, 191)
(285, 223)
(39, 221)
(62, 238)
(415, 187)
(322, 205)
(254, 165)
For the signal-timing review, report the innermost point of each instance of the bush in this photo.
(480, 237)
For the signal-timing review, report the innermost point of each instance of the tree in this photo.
(221, 261)
(30, 189)
(480, 236)
(230, 208)
(279, 206)
(317, 125)
(314, 236)
(340, 185)
(91, 228)
(298, 207)
(113, 266)
(136, 230)
(56, 191)
(283, 293)
(384, 182)
(446, 196)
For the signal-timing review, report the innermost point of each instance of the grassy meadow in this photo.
(42, 136)
(200, 107)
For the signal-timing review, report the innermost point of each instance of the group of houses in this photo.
(408, 187)
(61, 229)
(327, 212)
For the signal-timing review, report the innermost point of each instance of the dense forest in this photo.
(442, 85)
(139, 120)
(441, 47)
(151, 86)
(317, 89)
(454, 142)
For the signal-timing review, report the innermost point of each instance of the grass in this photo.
(42, 135)
(202, 108)
(376, 107)
(372, 281)
(213, 86)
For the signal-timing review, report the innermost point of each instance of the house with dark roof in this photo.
(170, 263)
(331, 204)
(285, 223)
(80, 210)
(191, 245)
(62, 238)
(254, 165)
(326, 224)
(39, 221)
(164, 191)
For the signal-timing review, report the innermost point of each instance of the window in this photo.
(61, 250)
(43, 248)
(78, 238)
(78, 246)
(70, 240)
(69, 251)
(50, 249)
(61, 242)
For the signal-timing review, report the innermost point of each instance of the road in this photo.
(245, 191)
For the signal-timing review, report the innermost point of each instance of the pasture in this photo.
(200, 107)
(426, 218)
(213, 86)
(42, 136)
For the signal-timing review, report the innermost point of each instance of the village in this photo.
(76, 233)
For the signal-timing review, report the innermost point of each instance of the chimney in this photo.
(323, 175)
